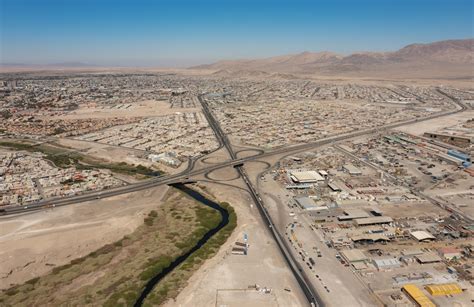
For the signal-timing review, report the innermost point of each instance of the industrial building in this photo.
(459, 155)
(354, 255)
(449, 253)
(305, 202)
(334, 187)
(422, 236)
(369, 238)
(444, 289)
(322, 213)
(376, 220)
(352, 170)
(417, 296)
(352, 214)
(458, 140)
(428, 257)
(387, 263)
(305, 176)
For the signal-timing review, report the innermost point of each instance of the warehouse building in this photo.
(305, 176)
(387, 263)
(411, 252)
(429, 257)
(369, 238)
(450, 253)
(444, 289)
(450, 159)
(409, 255)
(417, 296)
(459, 155)
(458, 140)
(352, 214)
(354, 255)
(334, 187)
(305, 202)
(323, 213)
(422, 236)
(376, 220)
(352, 170)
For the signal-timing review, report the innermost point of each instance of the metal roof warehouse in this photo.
(305, 202)
(305, 176)
(417, 296)
(354, 255)
(373, 220)
(444, 289)
(421, 235)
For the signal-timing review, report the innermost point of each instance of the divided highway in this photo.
(190, 172)
(311, 295)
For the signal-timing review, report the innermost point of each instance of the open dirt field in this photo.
(437, 123)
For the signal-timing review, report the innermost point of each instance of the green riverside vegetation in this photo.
(63, 158)
(115, 274)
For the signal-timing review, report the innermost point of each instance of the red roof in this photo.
(449, 250)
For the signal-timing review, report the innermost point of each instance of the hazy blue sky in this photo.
(174, 32)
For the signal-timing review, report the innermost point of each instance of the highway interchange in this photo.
(238, 163)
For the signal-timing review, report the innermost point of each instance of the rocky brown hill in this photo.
(450, 58)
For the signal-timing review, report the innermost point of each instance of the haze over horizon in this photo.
(185, 33)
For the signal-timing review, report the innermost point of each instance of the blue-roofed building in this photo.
(459, 155)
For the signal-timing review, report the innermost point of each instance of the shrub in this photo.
(148, 221)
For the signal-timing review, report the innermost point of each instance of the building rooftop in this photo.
(444, 289)
(449, 250)
(306, 176)
(418, 296)
(305, 202)
(352, 169)
(354, 255)
(350, 214)
(373, 220)
(421, 235)
(387, 262)
(429, 257)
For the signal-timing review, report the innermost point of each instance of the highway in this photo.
(191, 172)
(306, 286)
(312, 296)
(457, 101)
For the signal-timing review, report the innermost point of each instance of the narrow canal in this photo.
(224, 221)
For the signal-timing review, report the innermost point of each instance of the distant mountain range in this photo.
(450, 58)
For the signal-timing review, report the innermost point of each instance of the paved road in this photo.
(191, 172)
(311, 295)
(308, 289)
